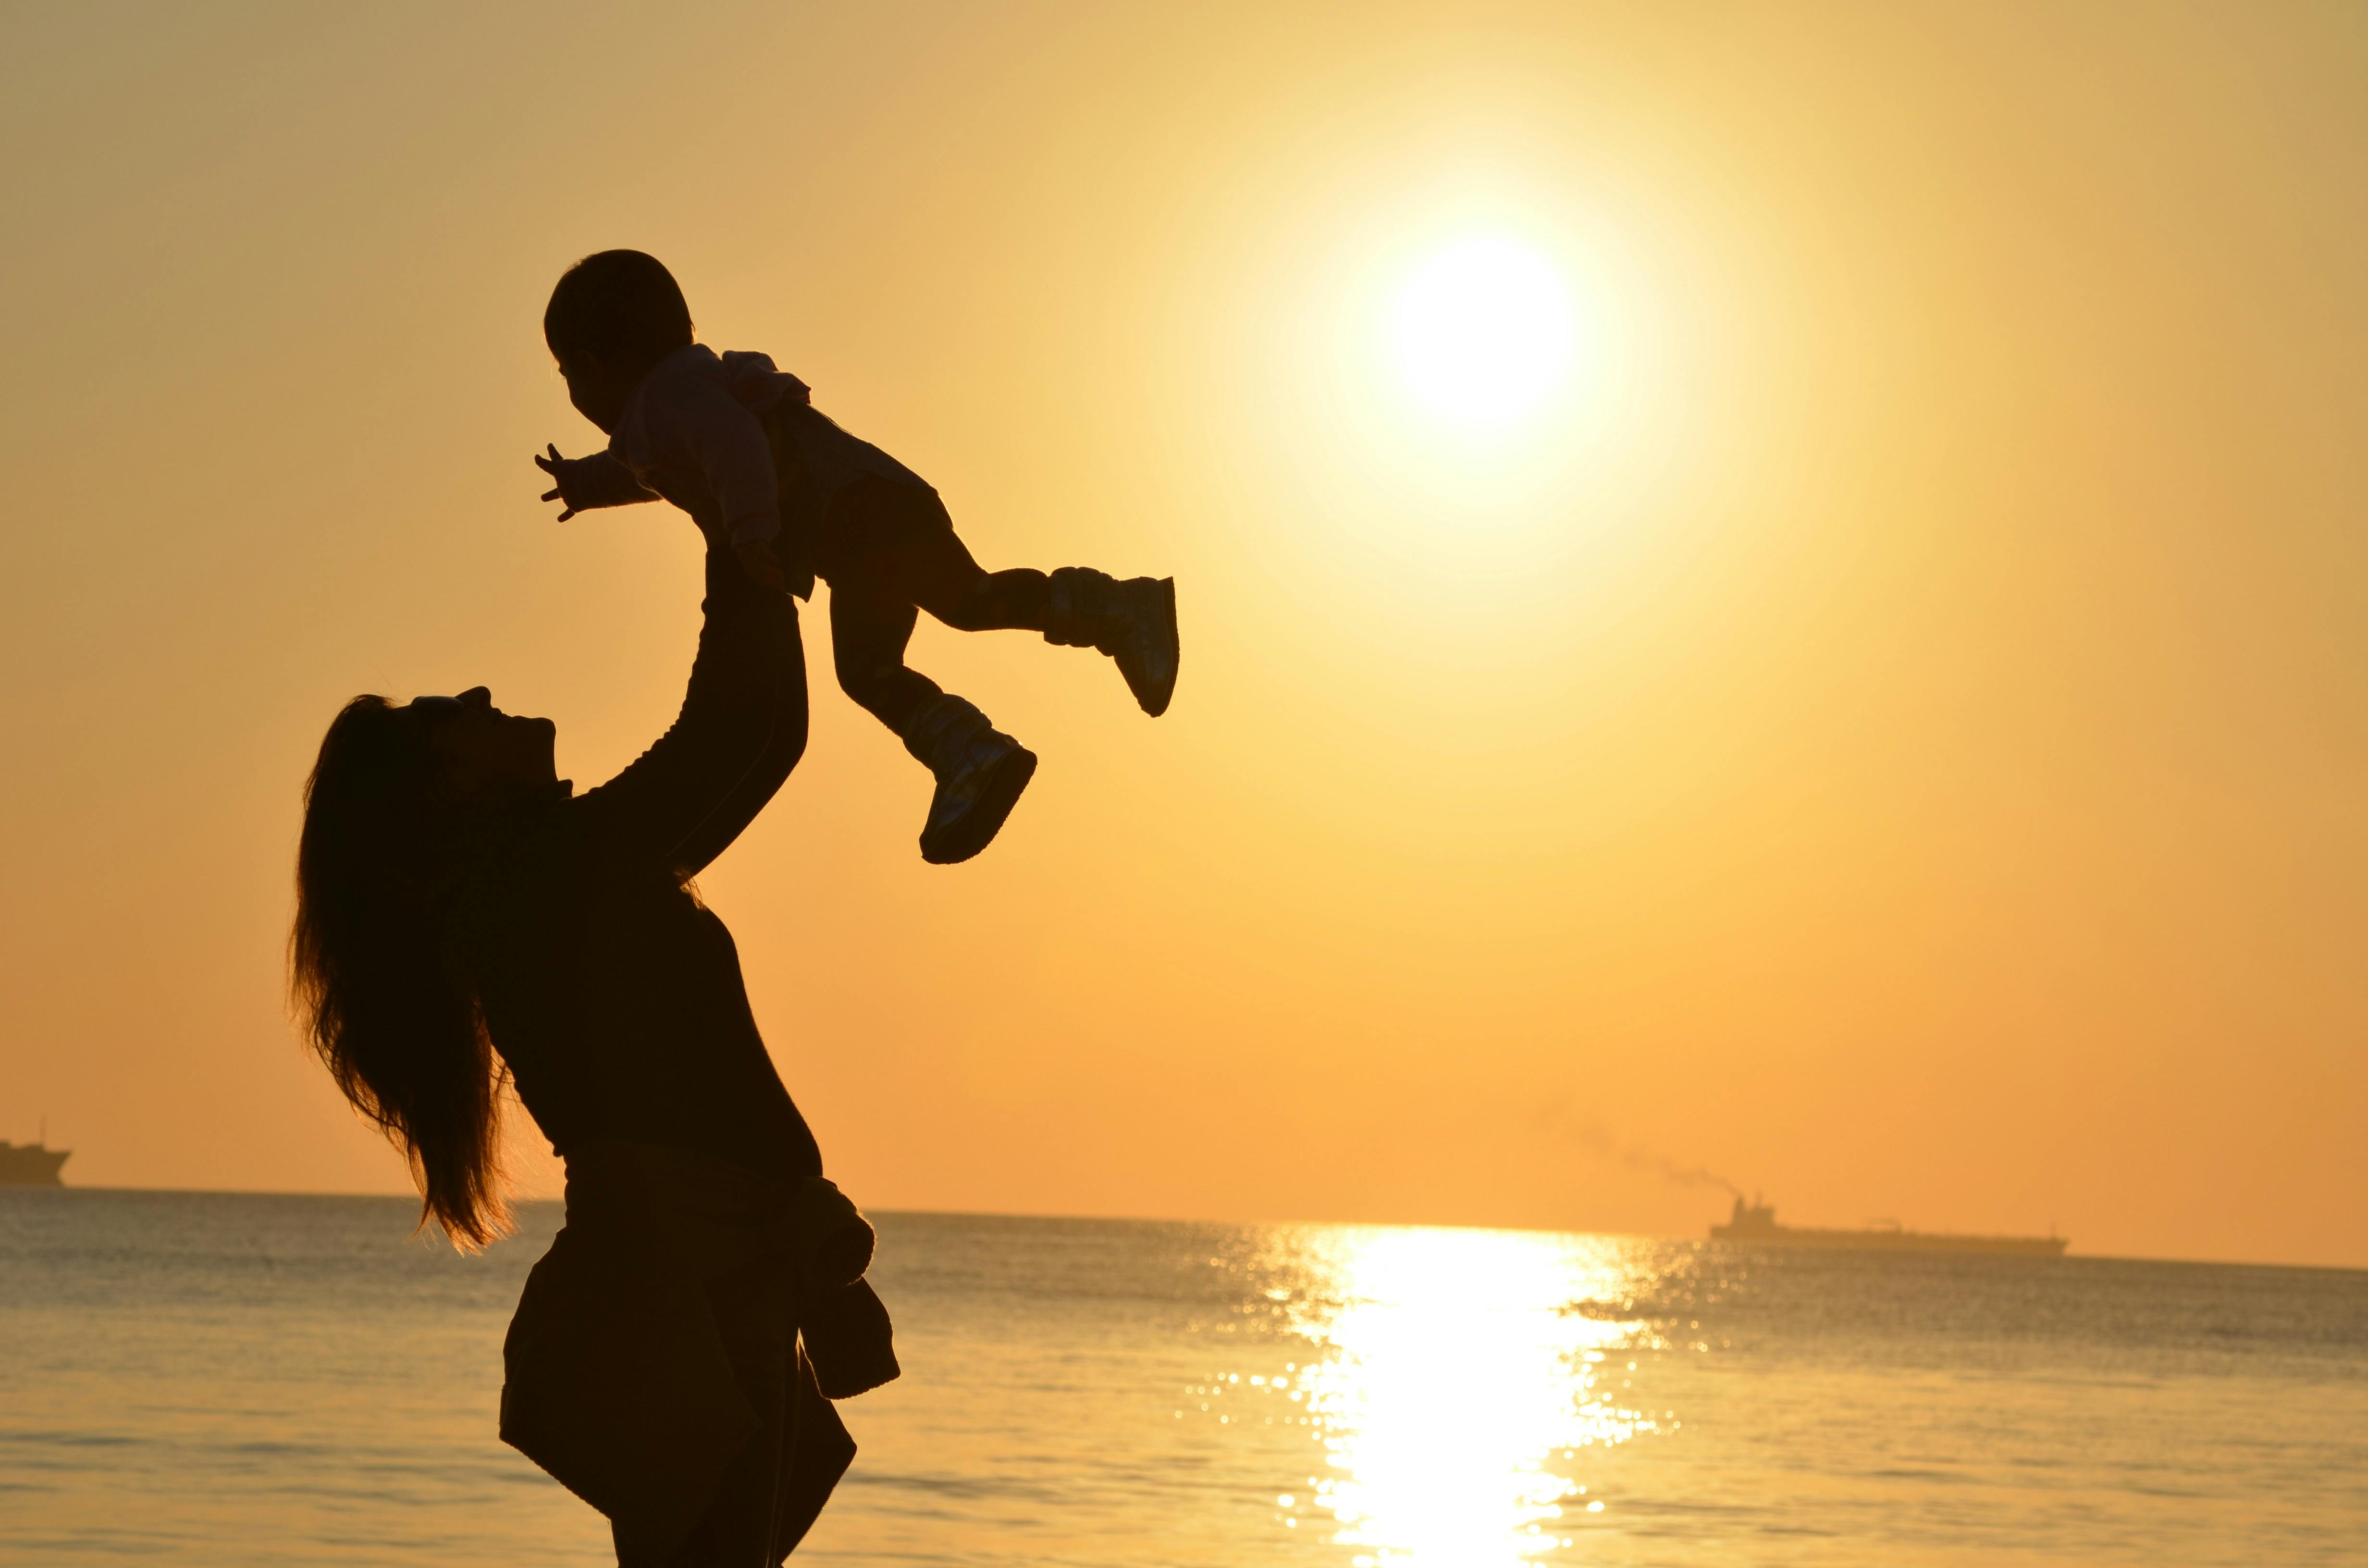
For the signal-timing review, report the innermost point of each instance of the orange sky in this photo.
(1899, 739)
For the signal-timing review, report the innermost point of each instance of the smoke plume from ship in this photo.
(1592, 1135)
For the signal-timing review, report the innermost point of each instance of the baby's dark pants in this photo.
(886, 548)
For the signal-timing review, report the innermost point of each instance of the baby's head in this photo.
(615, 314)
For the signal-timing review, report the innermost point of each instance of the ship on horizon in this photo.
(31, 1165)
(1754, 1224)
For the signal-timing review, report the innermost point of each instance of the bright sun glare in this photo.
(1482, 331)
(1456, 1392)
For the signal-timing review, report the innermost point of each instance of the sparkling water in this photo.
(243, 1379)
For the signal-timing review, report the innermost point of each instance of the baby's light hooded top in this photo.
(699, 432)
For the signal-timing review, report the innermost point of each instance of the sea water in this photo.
(210, 1380)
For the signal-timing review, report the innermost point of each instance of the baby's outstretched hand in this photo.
(550, 465)
(763, 567)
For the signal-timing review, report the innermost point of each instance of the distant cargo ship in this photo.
(1754, 1224)
(31, 1165)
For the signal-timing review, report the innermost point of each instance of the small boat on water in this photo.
(1754, 1224)
(31, 1165)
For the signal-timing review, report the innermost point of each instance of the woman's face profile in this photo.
(477, 746)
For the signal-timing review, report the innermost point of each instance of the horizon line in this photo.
(1162, 1219)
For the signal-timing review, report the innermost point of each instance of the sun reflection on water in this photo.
(1453, 1371)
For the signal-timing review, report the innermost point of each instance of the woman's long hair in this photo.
(379, 1002)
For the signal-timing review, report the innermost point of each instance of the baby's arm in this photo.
(582, 483)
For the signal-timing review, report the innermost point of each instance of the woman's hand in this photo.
(764, 568)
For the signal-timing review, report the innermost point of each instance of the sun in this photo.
(1481, 332)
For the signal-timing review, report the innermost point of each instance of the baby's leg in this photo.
(944, 579)
(1134, 621)
(870, 625)
(900, 542)
(979, 769)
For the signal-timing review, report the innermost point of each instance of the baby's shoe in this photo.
(1132, 622)
(980, 772)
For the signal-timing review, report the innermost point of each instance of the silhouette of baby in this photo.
(739, 445)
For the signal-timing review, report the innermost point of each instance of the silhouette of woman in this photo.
(464, 920)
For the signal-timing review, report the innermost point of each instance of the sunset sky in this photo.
(1873, 699)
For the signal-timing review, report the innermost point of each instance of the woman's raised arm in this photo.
(742, 729)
